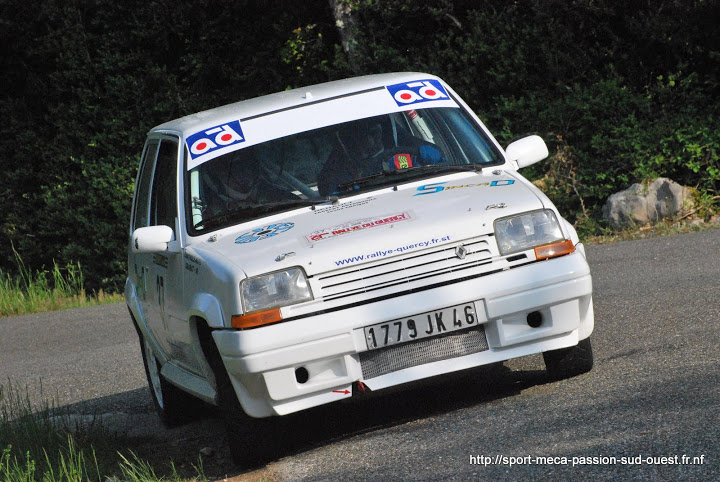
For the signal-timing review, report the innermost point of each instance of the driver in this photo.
(359, 151)
(227, 182)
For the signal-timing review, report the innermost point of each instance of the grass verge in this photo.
(46, 290)
(664, 228)
(49, 444)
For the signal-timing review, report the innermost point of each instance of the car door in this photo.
(158, 275)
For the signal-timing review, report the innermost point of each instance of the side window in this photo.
(142, 196)
(163, 205)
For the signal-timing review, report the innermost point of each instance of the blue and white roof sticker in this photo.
(418, 91)
(268, 231)
(214, 141)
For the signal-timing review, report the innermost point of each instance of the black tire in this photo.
(569, 362)
(252, 441)
(173, 406)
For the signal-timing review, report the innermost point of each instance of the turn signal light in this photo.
(256, 319)
(554, 249)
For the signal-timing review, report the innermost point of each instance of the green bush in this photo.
(621, 92)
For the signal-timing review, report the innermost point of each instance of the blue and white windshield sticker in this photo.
(215, 141)
(418, 91)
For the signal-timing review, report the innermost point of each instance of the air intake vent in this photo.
(387, 360)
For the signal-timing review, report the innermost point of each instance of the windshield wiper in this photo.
(249, 210)
(449, 168)
(364, 180)
(409, 173)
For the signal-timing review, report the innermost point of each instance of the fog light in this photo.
(534, 319)
(302, 375)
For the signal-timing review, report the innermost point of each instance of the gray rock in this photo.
(640, 205)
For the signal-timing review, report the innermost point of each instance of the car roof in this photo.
(283, 100)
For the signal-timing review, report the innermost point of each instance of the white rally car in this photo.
(303, 247)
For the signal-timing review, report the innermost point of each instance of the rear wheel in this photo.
(569, 362)
(173, 405)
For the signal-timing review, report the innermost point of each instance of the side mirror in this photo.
(527, 151)
(152, 239)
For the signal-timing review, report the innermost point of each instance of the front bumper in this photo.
(262, 363)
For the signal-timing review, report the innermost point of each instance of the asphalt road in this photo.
(649, 409)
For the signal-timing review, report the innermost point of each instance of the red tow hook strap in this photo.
(359, 387)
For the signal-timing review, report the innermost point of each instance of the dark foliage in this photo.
(621, 92)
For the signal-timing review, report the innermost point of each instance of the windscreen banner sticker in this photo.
(212, 142)
(381, 253)
(345, 205)
(438, 186)
(263, 233)
(355, 226)
(416, 92)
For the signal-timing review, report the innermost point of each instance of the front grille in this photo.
(387, 360)
(414, 269)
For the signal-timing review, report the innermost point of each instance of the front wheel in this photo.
(569, 362)
(252, 441)
(173, 405)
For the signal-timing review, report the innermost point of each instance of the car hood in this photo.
(378, 224)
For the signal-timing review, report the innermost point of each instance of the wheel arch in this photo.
(207, 308)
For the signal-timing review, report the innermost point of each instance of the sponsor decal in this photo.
(402, 161)
(192, 258)
(192, 263)
(160, 260)
(284, 256)
(390, 251)
(496, 206)
(438, 186)
(263, 233)
(346, 205)
(355, 226)
(208, 142)
(416, 92)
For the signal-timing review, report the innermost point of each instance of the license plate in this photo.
(423, 325)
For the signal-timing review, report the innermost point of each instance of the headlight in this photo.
(274, 290)
(526, 231)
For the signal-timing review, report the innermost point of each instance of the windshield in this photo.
(307, 168)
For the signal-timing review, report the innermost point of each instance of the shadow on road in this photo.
(132, 414)
(393, 407)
